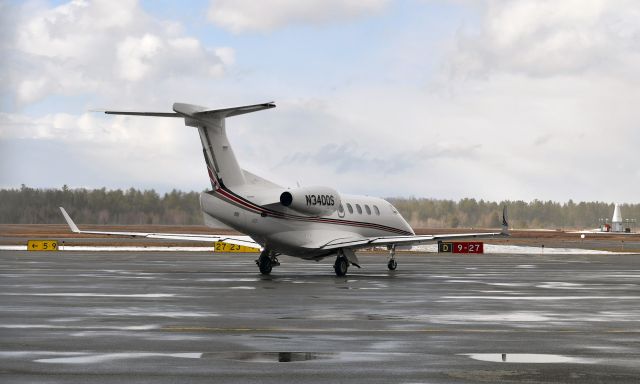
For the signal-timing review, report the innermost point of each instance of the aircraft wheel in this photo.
(341, 266)
(392, 265)
(264, 264)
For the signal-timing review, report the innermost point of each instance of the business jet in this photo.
(311, 222)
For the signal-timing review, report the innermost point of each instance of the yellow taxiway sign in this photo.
(42, 245)
(226, 247)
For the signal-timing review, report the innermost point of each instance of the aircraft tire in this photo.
(264, 264)
(341, 266)
(392, 265)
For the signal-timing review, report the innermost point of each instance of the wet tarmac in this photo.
(191, 317)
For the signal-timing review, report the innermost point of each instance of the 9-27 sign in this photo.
(461, 247)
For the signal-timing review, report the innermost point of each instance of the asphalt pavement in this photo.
(190, 317)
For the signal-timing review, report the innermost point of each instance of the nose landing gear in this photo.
(392, 264)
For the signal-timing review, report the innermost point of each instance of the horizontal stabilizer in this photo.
(133, 113)
(200, 112)
(196, 111)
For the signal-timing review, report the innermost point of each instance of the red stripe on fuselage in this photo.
(258, 209)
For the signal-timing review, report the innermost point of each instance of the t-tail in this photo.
(221, 162)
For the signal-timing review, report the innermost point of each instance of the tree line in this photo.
(99, 206)
(467, 213)
(27, 205)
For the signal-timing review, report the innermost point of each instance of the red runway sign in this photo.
(461, 247)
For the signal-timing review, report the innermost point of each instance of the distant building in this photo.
(616, 222)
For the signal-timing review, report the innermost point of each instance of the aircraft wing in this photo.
(390, 241)
(405, 240)
(236, 240)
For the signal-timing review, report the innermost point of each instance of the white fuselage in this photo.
(309, 222)
(296, 234)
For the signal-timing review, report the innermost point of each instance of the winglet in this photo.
(505, 223)
(72, 225)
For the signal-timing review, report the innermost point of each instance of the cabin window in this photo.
(350, 208)
(366, 208)
(340, 208)
(359, 209)
(376, 210)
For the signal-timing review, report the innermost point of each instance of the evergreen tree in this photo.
(101, 206)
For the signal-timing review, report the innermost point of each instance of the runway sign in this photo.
(444, 247)
(226, 247)
(42, 245)
(461, 247)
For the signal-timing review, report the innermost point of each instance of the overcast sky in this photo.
(444, 99)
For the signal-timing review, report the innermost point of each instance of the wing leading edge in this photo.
(236, 240)
(361, 242)
(405, 240)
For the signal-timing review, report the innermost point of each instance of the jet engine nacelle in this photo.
(318, 201)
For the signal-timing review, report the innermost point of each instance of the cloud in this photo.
(550, 38)
(95, 150)
(246, 15)
(136, 56)
(100, 47)
(528, 99)
(150, 56)
(90, 127)
(351, 158)
(511, 136)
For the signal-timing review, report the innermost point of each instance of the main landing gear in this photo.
(345, 258)
(392, 264)
(341, 265)
(267, 261)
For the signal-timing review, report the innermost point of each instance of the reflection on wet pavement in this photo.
(534, 358)
(187, 317)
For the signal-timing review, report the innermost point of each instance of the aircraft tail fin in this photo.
(222, 165)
